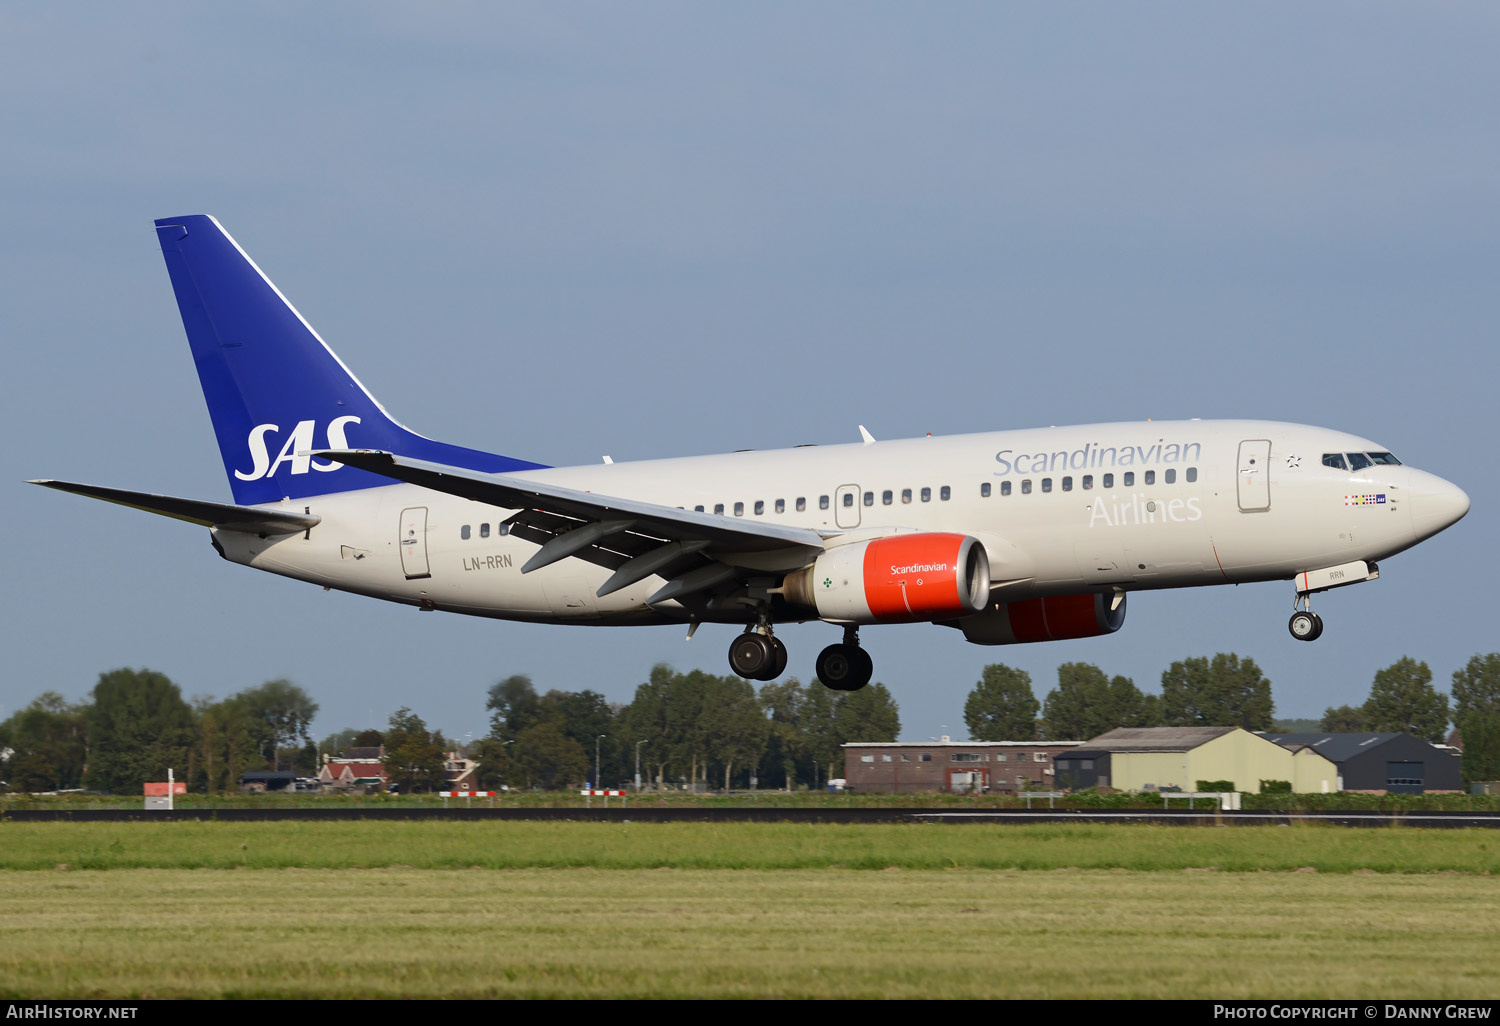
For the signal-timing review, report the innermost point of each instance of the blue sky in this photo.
(563, 230)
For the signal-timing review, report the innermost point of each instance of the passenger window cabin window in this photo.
(1004, 487)
(484, 530)
(1129, 481)
(945, 493)
(739, 509)
(760, 507)
(984, 490)
(1335, 460)
(719, 508)
(801, 504)
(781, 505)
(1046, 484)
(1067, 484)
(697, 509)
(869, 498)
(1171, 476)
(1088, 482)
(926, 494)
(905, 496)
(1109, 480)
(463, 532)
(1151, 477)
(848, 499)
(822, 502)
(1026, 487)
(887, 497)
(1358, 461)
(503, 530)
(1192, 474)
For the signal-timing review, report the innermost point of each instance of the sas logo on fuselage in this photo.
(299, 441)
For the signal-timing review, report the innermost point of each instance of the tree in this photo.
(1476, 714)
(226, 743)
(139, 727)
(1223, 692)
(47, 743)
(1402, 698)
(282, 712)
(414, 755)
(735, 726)
(786, 746)
(869, 714)
(546, 758)
(832, 719)
(582, 716)
(1086, 703)
(1343, 719)
(1002, 706)
(645, 719)
(513, 706)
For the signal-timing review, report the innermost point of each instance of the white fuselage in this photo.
(1058, 510)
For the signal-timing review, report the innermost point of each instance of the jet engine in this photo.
(901, 578)
(1055, 618)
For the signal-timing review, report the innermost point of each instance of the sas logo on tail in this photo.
(299, 441)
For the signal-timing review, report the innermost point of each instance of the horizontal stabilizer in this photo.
(250, 519)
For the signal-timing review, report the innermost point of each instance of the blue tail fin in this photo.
(274, 388)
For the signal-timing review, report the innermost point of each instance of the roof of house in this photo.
(1333, 747)
(956, 744)
(1153, 739)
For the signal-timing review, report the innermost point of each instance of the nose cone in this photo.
(1435, 504)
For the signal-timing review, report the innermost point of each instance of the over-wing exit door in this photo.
(414, 543)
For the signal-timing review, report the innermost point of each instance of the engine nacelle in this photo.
(904, 577)
(1056, 618)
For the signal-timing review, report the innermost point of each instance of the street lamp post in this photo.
(601, 737)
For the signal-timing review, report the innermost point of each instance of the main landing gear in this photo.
(846, 666)
(757, 655)
(1305, 625)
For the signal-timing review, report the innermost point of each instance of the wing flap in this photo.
(553, 509)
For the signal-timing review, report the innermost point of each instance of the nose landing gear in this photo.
(1305, 625)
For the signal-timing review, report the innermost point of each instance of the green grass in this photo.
(770, 934)
(521, 909)
(765, 846)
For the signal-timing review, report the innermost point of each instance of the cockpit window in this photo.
(1385, 458)
(1358, 461)
(1335, 460)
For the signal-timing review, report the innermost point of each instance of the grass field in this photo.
(744, 910)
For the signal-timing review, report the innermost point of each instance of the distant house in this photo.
(362, 768)
(1158, 758)
(1390, 763)
(259, 780)
(954, 766)
(461, 773)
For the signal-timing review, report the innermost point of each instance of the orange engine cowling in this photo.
(1055, 618)
(904, 577)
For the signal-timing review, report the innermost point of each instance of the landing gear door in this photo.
(846, 506)
(1254, 475)
(414, 543)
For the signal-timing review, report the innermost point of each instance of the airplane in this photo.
(1009, 537)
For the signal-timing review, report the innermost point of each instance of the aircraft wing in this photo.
(697, 553)
(251, 519)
